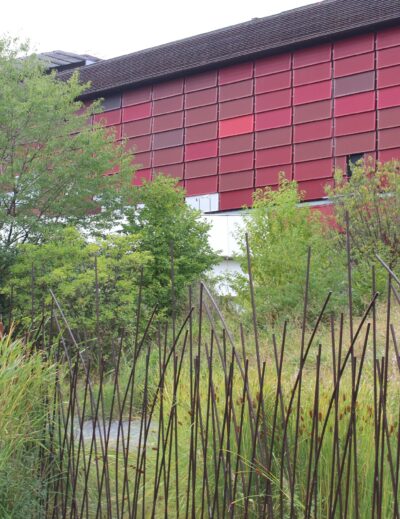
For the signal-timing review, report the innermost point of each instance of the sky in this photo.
(115, 27)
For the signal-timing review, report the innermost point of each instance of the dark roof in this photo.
(261, 36)
(60, 60)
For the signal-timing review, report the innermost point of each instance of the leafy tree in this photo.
(280, 231)
(175, 236)
(52, 162)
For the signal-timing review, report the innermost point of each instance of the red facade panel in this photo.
(136, 112)
(235, 73)
(136, 97)
(312, 74)
(141, 176)
(352, 124)
(308, 151)
(204, 114)
(358, 143)
(270, 176)
(168, 105)
(273, 100)
(236, 90)
(273, 64)
(108, 118)
(236, 126)
(354, 45)
(273, 82)
(201, 186)
(274, 156)
(136, 128)
(235, 199)
(201, 168)
(389, 118)
(388, 57)
(312, 93)
(354, 65)
(236, 108)
(166, 122)
(168, 139)
(168, 89)
(389, 138)
(236, 144)
(201, 81)
(201, 150)
(388, 155)
(274, 119)
(115, 131)
(388, 77)
(312, 112)
(142, 159)
(314, 189)
(175, 170)
(313, 131)
(389, 97)
(348, 85)
(235, 181)
(201, 132)
(168, 156)
(274, 138)
(139, 144)
(201, 98)
(354, 104)
(237, 162)
(315, 169)
(388, 38)
(312, 55)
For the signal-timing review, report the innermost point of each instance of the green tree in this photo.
(175, 236)
(280, 231)
(52, 162)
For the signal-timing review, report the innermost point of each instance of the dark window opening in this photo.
(351, 161)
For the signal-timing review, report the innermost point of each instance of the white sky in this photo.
(108, 28)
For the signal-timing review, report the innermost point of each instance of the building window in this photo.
(351, 162)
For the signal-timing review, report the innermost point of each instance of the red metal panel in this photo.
(389, 97)
(162, 123)
(168, 156)
(352, 124)
(168, 105)
(108, 118)
(236, 108)
(201, 98)
(388, 38)
(312, 55)
(313, 150)
(142, 159)
(312, 112)
(201, 115)
(136, 112)
(201, 168)
(354, 104)
(359, 143)
(273, 82)
(201, 81)
(388, 57)
(274, 119)
(141, 176)
(201, 132)
(201, 150)
(201, 186)
(136, 128)
(311, 93)
(314, 189)
(274, 156)
(139, 144)
(354, 65)
(273, 100)
(312, 74)
(236, 199)
(235, 73)
(274, 138)
(388, 155)
(354, 45)
(236, 144)
(168, 89)
(237, 162)
(354, 84)
(388, 77)
(272, 64)
(313, 131)
(168, 139)
(236, 126)
(235, 181)
(389, 118)
(270, 176)
(314, 169)
(389, 138)
(136, 97)
(175, 170)
(115, 131)
(236, 90)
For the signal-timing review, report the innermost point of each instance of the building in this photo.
(304, 92)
